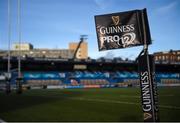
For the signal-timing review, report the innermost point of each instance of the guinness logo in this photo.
(147, 116)
(115, 20)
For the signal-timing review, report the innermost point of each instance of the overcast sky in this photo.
(55, 23)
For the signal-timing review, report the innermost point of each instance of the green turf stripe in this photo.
(122, 102)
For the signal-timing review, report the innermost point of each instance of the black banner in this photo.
(121, 30)
(148, 88)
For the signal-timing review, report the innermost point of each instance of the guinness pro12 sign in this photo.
(121, 30)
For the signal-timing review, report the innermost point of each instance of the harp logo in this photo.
(115, 20)
(147, 116)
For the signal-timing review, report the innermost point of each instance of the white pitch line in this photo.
(2, 121)
(122, 102)
(169, 107)
(108, 101)
(166, 95)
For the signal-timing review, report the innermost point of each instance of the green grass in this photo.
(108, 104)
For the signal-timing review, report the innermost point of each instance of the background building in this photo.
(170, 56)
(82, 52)
(45, 53)
(27, 50)
(22, 46)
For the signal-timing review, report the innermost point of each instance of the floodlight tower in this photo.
(8, 75)
(82, 39)
(19, 80)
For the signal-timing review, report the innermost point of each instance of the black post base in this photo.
(19, 82)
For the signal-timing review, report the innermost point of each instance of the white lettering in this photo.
(116, 29)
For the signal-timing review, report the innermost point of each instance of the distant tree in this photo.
(171, 51)
(126, 59)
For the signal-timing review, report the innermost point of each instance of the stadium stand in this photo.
(74, 82)
(40, 72)
(43, 82)
(89, 79)
(93, 78)
(94, 82)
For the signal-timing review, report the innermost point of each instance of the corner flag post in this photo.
(148, 86)
(128, 29)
